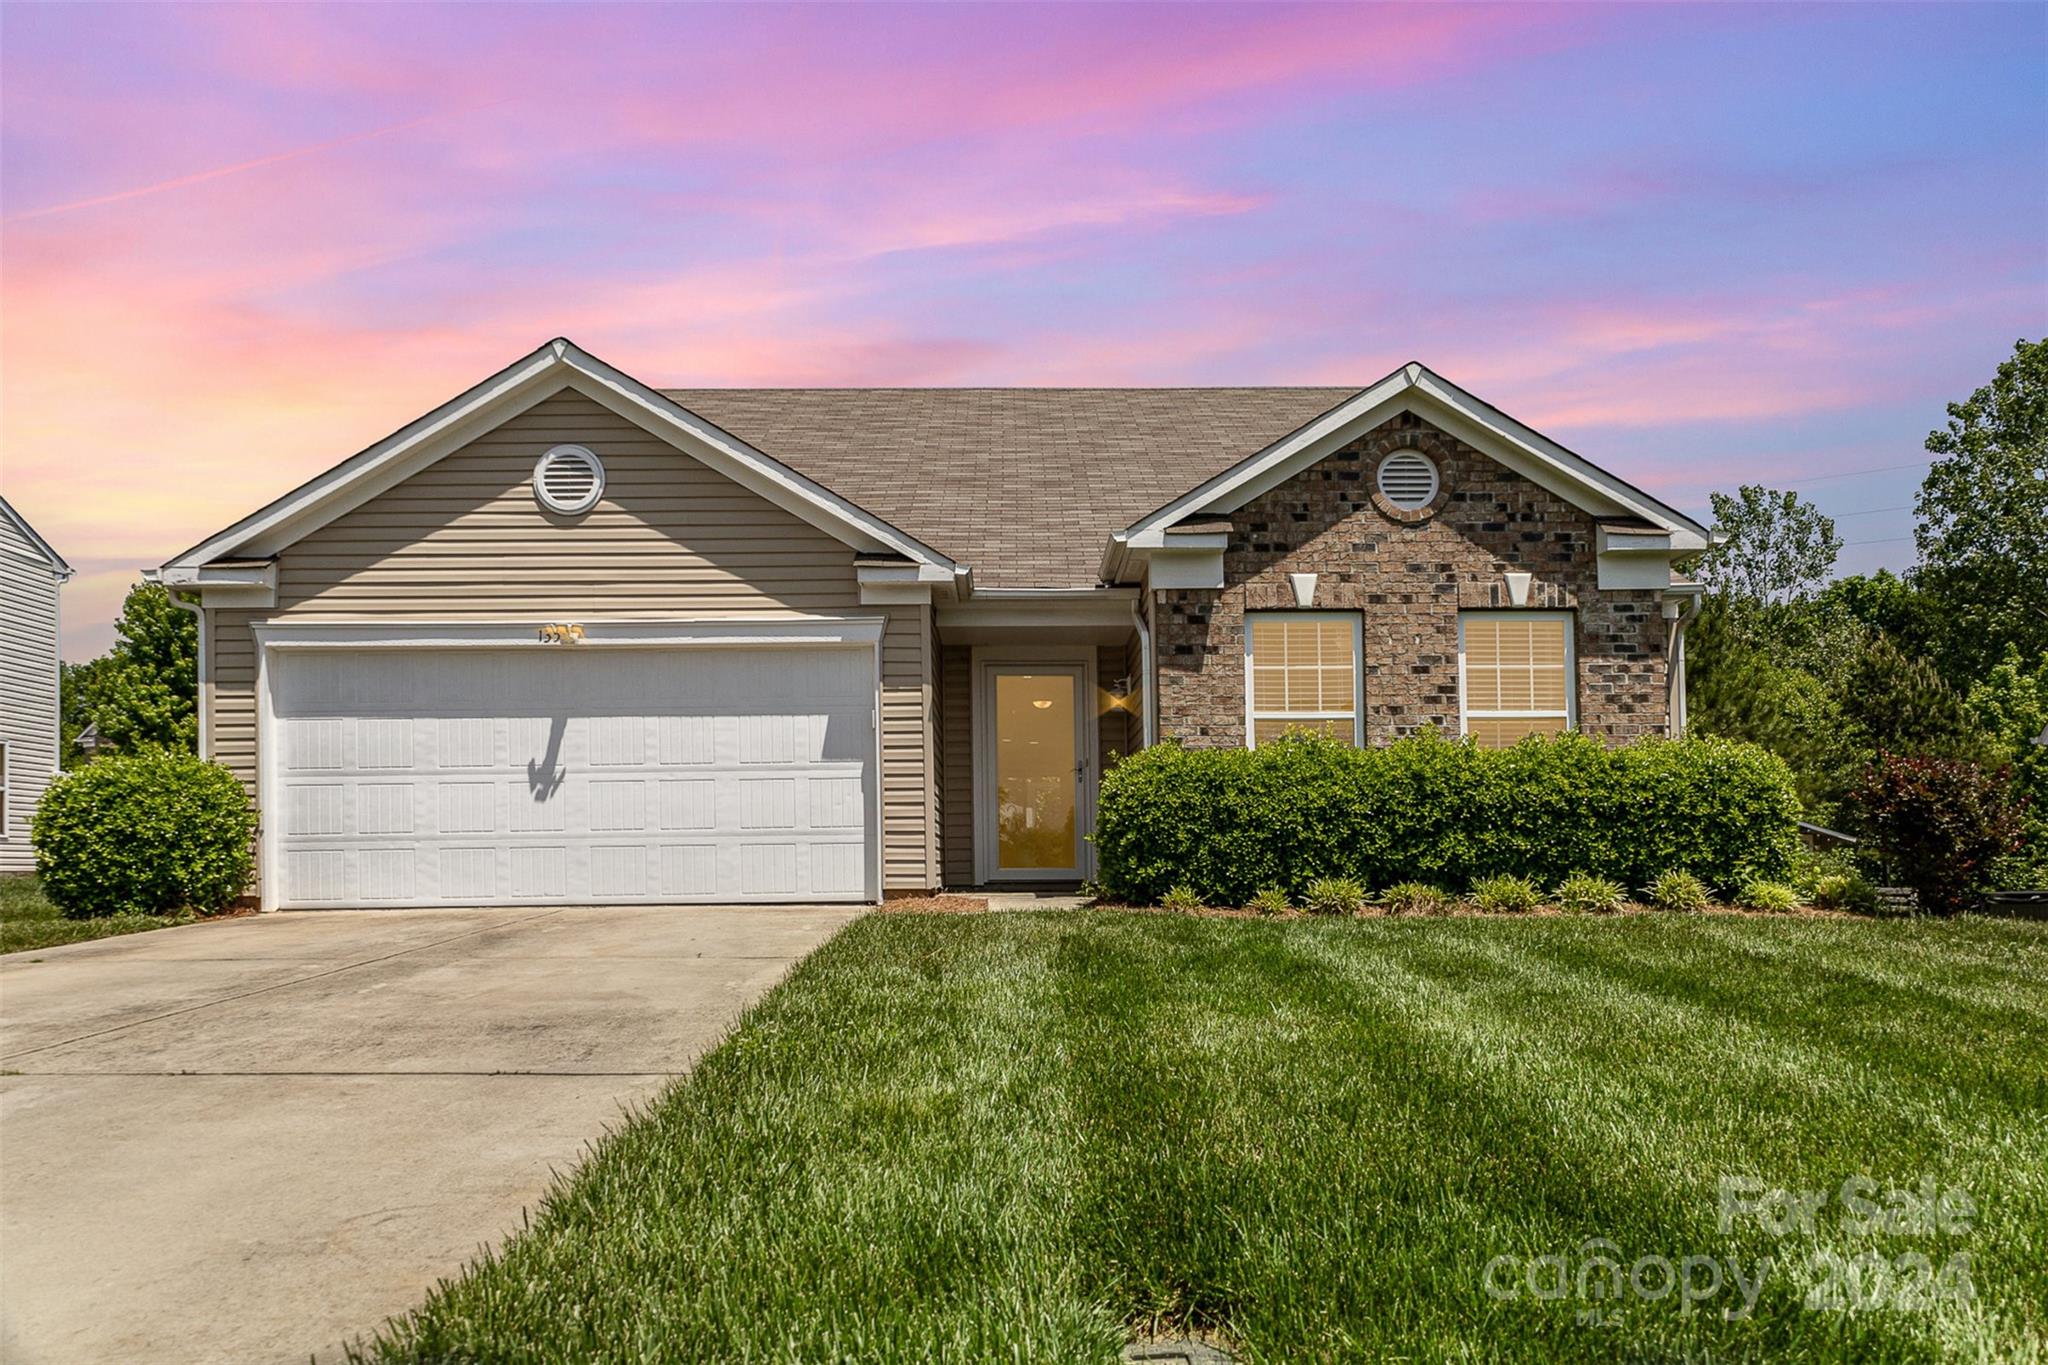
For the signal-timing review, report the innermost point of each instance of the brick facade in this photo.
(1409, 574)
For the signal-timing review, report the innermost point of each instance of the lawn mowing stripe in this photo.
(1598, 1143)
(963, 1138)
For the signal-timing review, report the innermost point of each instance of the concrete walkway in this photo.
(255, 1139)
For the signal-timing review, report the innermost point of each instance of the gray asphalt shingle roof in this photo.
(1022, 485)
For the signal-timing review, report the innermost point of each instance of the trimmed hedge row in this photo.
(1228, 823)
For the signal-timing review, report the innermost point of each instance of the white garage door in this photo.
(572, 774)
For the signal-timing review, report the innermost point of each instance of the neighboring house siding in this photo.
(1409, 579)
(672, 539)
(28, 689)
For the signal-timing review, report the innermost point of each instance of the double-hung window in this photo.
(1301, 673)
(1516, 675)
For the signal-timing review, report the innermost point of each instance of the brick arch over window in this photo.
(1407, 580)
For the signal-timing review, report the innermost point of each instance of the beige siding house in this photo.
(570, 638)
(31, 573)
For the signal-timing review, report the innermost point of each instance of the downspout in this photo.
(1674, 654)
(1149, 726)
(198, 610)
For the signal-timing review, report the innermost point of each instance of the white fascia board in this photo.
(1168, 538)
(1416, 388)
(1222, 493)
(223, 585)
(558, 365)
(1106, 612)
(897, 572)
(742, 463)
(52, 561)
(1616, 541)
(755, 633)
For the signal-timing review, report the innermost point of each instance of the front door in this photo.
(1037, 762)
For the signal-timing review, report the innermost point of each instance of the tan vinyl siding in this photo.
(906, 797)
(28, 689)
(672, 539)
(956, 761)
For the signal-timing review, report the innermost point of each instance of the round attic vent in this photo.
(1408, 480)
(568, 479)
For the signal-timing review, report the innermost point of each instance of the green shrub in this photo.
(1582, 894)
(1415, 898)
(1229, 822)
(1182, 898)
(1843, 891)
(1680, 891)
(1943, 824)
(1333, 896)
(150, 833)
(1506, 892)
(1768, 895)
(1270, 901)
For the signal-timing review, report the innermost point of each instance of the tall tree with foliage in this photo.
(1983, 518)
(1777, 547)
(144, 693)
(2011, 707)
(1898, 704)
(1738, 687)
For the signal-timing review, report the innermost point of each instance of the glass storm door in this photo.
(1039, 762)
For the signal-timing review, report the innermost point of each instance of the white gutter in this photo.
(1148, 685)
(1674, 669)
(199, 664)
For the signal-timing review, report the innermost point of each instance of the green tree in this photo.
(75, 686)
(1983, 518)
(2011, 707)
(1737, 687)
(144, 692)
(1777, 547)
(1901, 705)
(1886, 602)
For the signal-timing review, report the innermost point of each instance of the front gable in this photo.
(466, 536)
(231, 561)
(1176, 546)
(1325, 540)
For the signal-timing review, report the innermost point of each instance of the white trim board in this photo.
(51, 559)
(760, 634)
(558, 365)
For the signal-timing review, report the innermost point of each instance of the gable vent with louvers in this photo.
(568, 479)
(1408, 480)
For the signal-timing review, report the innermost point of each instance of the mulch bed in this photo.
(971, 905)
(1473, 912)
(934, 905)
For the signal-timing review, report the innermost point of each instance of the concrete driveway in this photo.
(255, 1139)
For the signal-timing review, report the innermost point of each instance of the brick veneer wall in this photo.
(1409, 574)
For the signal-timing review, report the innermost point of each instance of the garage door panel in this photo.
(481, 776)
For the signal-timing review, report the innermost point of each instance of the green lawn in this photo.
(28, 921)
(1023, 1136)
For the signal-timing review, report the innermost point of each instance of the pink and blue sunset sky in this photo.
(1700, 245)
